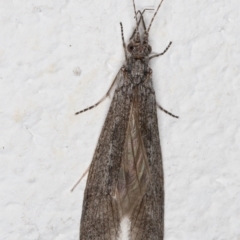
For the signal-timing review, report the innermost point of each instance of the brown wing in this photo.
(126, 175)
(148, 215)
(100, 216)
(134, 170)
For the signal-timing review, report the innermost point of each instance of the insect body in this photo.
(126, 174)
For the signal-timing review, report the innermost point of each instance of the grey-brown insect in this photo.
(126, 174)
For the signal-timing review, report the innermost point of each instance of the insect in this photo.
(126, 174)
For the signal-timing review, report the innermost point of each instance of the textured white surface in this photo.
(58, 57)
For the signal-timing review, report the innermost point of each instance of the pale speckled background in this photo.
(58, 57)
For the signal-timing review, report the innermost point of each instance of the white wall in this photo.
(58, 57)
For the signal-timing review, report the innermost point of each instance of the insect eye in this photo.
(130, 47)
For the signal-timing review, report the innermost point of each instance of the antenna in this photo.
(154, 15)
(135, 11)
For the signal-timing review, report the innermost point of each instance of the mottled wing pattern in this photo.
(147, 219)
(134, 171)
(126, 175)
(100, 216)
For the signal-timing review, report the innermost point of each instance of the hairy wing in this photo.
(100, 215)
(134, 170)
(147, 216)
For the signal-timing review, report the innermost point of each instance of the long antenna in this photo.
(154, 16)
(135, 11)
(141, 19)
(124, 45)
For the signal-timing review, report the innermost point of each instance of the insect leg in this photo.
(102, 99)
(160, 54)
(84, 174)
(164, 110)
